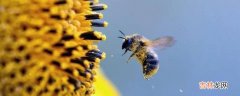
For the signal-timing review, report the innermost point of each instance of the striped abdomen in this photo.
(150, 64)
(149, 60)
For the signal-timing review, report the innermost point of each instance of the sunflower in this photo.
(48, 47)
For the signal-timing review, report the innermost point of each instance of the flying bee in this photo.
(143, 50)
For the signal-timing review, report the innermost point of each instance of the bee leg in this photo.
(125, 52)
(131, 56)
(138, 49)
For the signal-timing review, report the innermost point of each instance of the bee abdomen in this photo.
(152, 62)
(150, 65)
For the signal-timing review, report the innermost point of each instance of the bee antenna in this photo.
(122, 37)
(122, 33)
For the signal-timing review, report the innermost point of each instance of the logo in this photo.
(209, 85)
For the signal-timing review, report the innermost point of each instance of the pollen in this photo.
(49, 47)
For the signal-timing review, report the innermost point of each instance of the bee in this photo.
(143, 50)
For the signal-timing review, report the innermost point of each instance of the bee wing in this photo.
(162, 42)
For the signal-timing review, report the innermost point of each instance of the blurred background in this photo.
(207, 47)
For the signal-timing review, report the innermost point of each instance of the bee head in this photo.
(127, 42)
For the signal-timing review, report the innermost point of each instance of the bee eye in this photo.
(126, 43)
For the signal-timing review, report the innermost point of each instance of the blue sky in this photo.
(207, 34)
